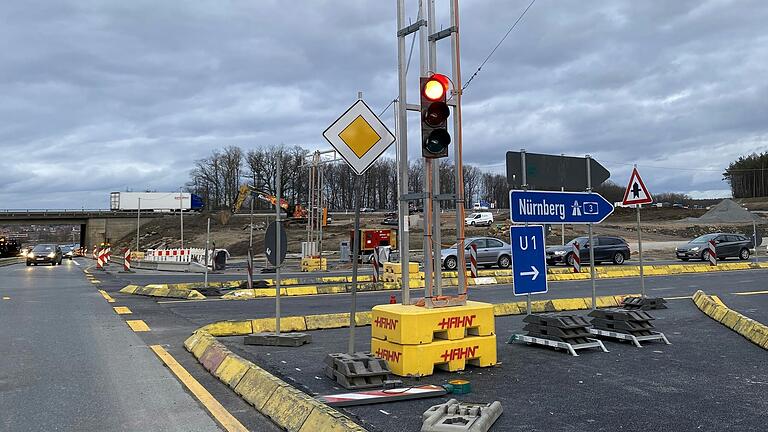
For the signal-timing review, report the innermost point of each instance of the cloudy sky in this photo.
(100, 96)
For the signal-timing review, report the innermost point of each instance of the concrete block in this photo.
(278, 339)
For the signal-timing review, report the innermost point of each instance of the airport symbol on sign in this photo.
(359, 136)
(558, 207)
(636, 192)
(529, 260)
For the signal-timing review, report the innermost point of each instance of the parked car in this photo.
(607, 248)
(479, 219)
(367, 209)
(490, 251)
(44, 254)
(390, 219)
(726, 245)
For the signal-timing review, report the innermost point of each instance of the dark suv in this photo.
(614, 249)
(726, 245)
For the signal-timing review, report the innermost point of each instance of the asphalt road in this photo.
(720, 283)
(709, 377)
(70, 363)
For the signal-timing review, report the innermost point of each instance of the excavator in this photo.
(294, 212)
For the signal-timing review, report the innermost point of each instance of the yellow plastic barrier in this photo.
(314, 264)
(407, 324)
(420, 360)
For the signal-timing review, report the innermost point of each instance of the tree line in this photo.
(746, 175)
(217, 179)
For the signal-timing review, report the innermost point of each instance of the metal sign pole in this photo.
(562, 226)
(591, 242)
(355, 257)
(754, 240)
(640, 250)
(138, 225)
(457, 155)
(524, 169)
(207, 243)
(181, 214)
(428, 169)
(436, 237)
(250, 247)
(278, 252)
(402, 155)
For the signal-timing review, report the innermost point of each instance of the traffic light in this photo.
(434, 115)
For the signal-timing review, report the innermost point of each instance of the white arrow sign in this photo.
(269, 251)
(534, 273)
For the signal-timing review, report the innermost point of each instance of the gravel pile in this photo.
(727, 211)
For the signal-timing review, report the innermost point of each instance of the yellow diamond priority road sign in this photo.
(359, 136)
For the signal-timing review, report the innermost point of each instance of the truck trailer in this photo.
(155, 201)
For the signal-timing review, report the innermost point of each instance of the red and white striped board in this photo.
(127, 260)
(381, 396)
(100, 260)
(576, 258)
(375, 262)
(712, 253)
(473, 260)
(95, 252)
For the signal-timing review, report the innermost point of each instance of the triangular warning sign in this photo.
(636, 192)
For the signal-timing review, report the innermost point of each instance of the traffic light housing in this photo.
(434, 116)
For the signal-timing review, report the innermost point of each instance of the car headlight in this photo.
(694, 249)
(30, 255)
(51, 255)
(560, 253)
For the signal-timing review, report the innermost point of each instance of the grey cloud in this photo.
(130, 94)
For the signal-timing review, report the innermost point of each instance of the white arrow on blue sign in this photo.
(529, 260)
(558, 207)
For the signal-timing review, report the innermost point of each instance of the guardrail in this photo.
(10, 261)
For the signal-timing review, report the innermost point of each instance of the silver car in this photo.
(490, 251)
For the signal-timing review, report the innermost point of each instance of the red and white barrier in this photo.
(100, 260)
(473, 260)
(127, 261)
(175, 255)
(375, 262)
(712, 253)
(95, 252)
(576, 258)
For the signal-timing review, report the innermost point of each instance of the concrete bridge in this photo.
(96, 226)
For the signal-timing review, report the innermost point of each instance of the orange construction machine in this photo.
(293, 211)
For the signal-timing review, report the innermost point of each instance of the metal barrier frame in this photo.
(594, 343)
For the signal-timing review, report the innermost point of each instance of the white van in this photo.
(479, 219)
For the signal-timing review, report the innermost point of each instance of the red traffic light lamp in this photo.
(434, 115)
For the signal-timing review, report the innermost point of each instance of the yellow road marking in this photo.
(122, 310)
(717, 300)
(107, 296)
(138, 325)
(678, 298)
(222, 416)
(750, 293)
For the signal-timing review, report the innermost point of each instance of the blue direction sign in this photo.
(529, 265)
(558, 207)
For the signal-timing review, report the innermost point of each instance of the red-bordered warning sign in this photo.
(636, 192)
